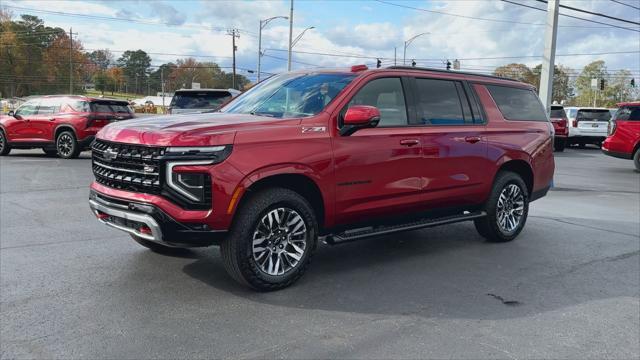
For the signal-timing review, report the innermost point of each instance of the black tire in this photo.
(488, 226)
(5, 148)
(155, 247)
(50, 152)
(559, 144)
(67, 145)
(636, 159)
(238, 248)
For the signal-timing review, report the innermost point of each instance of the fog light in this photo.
(145, 230)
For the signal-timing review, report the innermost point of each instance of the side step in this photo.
(361, 233)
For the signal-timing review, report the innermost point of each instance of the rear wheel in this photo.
(507, 209)
(5, 148)
(559, 144)
(67, 145)
(271, 241)
(636, 160)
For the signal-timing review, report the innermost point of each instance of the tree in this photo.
(562, 87)
(116, 78)
(135, 65)
(101, 58)
(101, 81)
(594, 70)
(520, 72)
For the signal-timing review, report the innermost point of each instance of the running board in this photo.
(361, 233)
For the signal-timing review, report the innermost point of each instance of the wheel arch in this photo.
(522, 168)
(298, 182)
(62, 127)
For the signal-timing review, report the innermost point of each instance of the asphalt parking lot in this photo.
(568, 287)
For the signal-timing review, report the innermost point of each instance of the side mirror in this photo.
(11, 113)
(358, 117)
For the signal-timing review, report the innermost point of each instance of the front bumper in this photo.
(148, 222)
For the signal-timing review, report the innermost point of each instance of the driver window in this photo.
(27, 109)
(386, 94)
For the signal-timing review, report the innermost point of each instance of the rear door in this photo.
(44, 122)
(377, 170)
(593, 121)
(453, 169)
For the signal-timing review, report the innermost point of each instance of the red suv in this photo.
(559, 121)
(333, 155)
(624, 133)
(62, 125)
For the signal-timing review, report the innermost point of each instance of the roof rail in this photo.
(400, 67)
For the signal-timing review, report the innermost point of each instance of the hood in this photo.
(186, 130)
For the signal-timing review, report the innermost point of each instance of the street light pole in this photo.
(295, 41)
(263, 24)
(406, 44)
(290, 37)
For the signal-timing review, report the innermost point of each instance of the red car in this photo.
(62, 125)
(624, 133)
(559, 121)
(334, 155)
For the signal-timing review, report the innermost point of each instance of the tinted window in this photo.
(386, 94)
(439, 103)
(28, 108)
(290, 95)
(517, 104)
(110, 107)
(49, 106)
(628, 113)
(593, 115)
(199, 100)
(557, 113)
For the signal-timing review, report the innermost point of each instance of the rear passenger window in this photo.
(628, 113)
(439, 103)
(517, 104)
(387, 95)
(49, 106)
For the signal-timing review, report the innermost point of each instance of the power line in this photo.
(625, 4)
(474, 17)
(594, 13)
(570, 16)
(138, 21)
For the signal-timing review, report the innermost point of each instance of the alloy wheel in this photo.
(65, 145)
(2, 141)
(510, 208)
(279, 241)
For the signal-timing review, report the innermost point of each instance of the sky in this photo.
(483, 35)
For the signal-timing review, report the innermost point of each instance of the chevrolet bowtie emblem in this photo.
(110, 154)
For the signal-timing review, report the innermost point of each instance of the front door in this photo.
(377, 170)
(44, 122)
(21, 129)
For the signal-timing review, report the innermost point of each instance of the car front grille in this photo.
(128, 167)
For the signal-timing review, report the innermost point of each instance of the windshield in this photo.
(594, 115)
(199, 100)
(290, 95)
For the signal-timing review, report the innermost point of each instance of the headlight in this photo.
(194, 186)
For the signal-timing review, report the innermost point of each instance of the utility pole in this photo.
(395, 55)
(162, 86)
(548, 61)
(234, 34)
(290, 36)
(70, 61)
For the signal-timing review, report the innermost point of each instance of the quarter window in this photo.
(517, 104)
(439, 103)
(387, 95)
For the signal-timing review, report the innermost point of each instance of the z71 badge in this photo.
(311, 129)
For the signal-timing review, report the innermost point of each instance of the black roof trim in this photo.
(399, 67)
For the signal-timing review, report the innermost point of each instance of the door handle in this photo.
(472, 139)
(409, 142)
(51, 119)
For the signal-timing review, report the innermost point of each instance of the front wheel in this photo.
(507, 209)
(67, 145)
(636, 160)
(271, 241)
(5, 149)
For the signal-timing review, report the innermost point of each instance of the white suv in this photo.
(587, 125)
